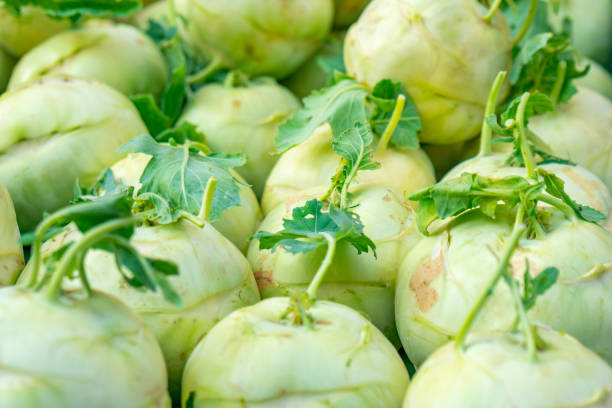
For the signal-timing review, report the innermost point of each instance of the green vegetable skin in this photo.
(440, 279)
(256, 357)
(597, 79)
(581, 131)
(118, 55)
(214, 279)
(312, 163)
(19, 34)
(243, 119)
(11, 252)
(580, 184)
(361, 281)
(347, 11)
(77, 352)
(237, 223)
(270, 38)
(453, 57)
(494, 372)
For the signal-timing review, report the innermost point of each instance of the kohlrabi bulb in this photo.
(118, 55)
(19, 34)
(55, 131)
(580, 184)
(243, 119)
(258, 356)
(11, 252)
(214, 279)
(495, 372)
(597, 79)
(362, 281)
(312, 164)
(157, 11)
(347, 11)
(581, 131)
(591, 26)
(273, 37)
(442, 51)
(311, 76)
(441, 278)
(6, 67)
(237, 223)
(76, 352)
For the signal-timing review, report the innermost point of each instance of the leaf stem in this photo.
(492, 10)
(522, 315)
(499, 272)
(171, 14)
(486, 132)
(395, 118)
(533, 6)
(207, 200)
(567, 211)
(329, 256)
(92, 237)
(555, 93)
(346, 185)
(521, 132)
(213, 66)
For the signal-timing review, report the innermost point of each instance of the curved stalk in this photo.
(92, 237)
(499, 272)
(486, 132)
(329, 256)
(492, 10)
(521, 132)
(555, 93)
(395, 118)
(567, 211)
(533, 6)
(528, 331)
(215, 64)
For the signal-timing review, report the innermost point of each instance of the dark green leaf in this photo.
(534, 287)
(75, 9)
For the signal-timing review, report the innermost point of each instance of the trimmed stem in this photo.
(555, 93)
(528, 331)
(395, 118)
(215, 64)
(322, 271)
(486, 132)
(533, 6)
(207, 200)
(499, 272)
(492, 10)
(89, 239)
(521, 132)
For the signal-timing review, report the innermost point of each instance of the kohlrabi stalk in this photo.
(209, 193)
(323, 268)
(395, 118)
(492, 10)
(517, 233)
(520, 132)
(533, 5)
(486, 132)
(528, 331)
(555, 93)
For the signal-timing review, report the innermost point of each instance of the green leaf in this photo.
(75, 9)
(555, 187)
(304, 231)
(384, 96)
(155, 120)
(181, 134)
(176, 177)
(534, 287)
(538, 104)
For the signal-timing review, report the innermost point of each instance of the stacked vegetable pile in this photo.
(305, 203)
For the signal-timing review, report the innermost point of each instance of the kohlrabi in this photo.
(597, 79)
(214, 279)
(440, 277)
(157, 11)
(242, 116)
(533, 367)
(11, 253)
(298, 350)
(317, 72)
(55, 131)
(347, 11)
(118, 55)
(20, 33)
(270, 38)
(364, 282)
(59, 343)
(312, 131)
(445, 53)
(237, 223)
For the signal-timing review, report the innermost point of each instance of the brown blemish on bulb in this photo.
(422, 277)
(265, 278)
